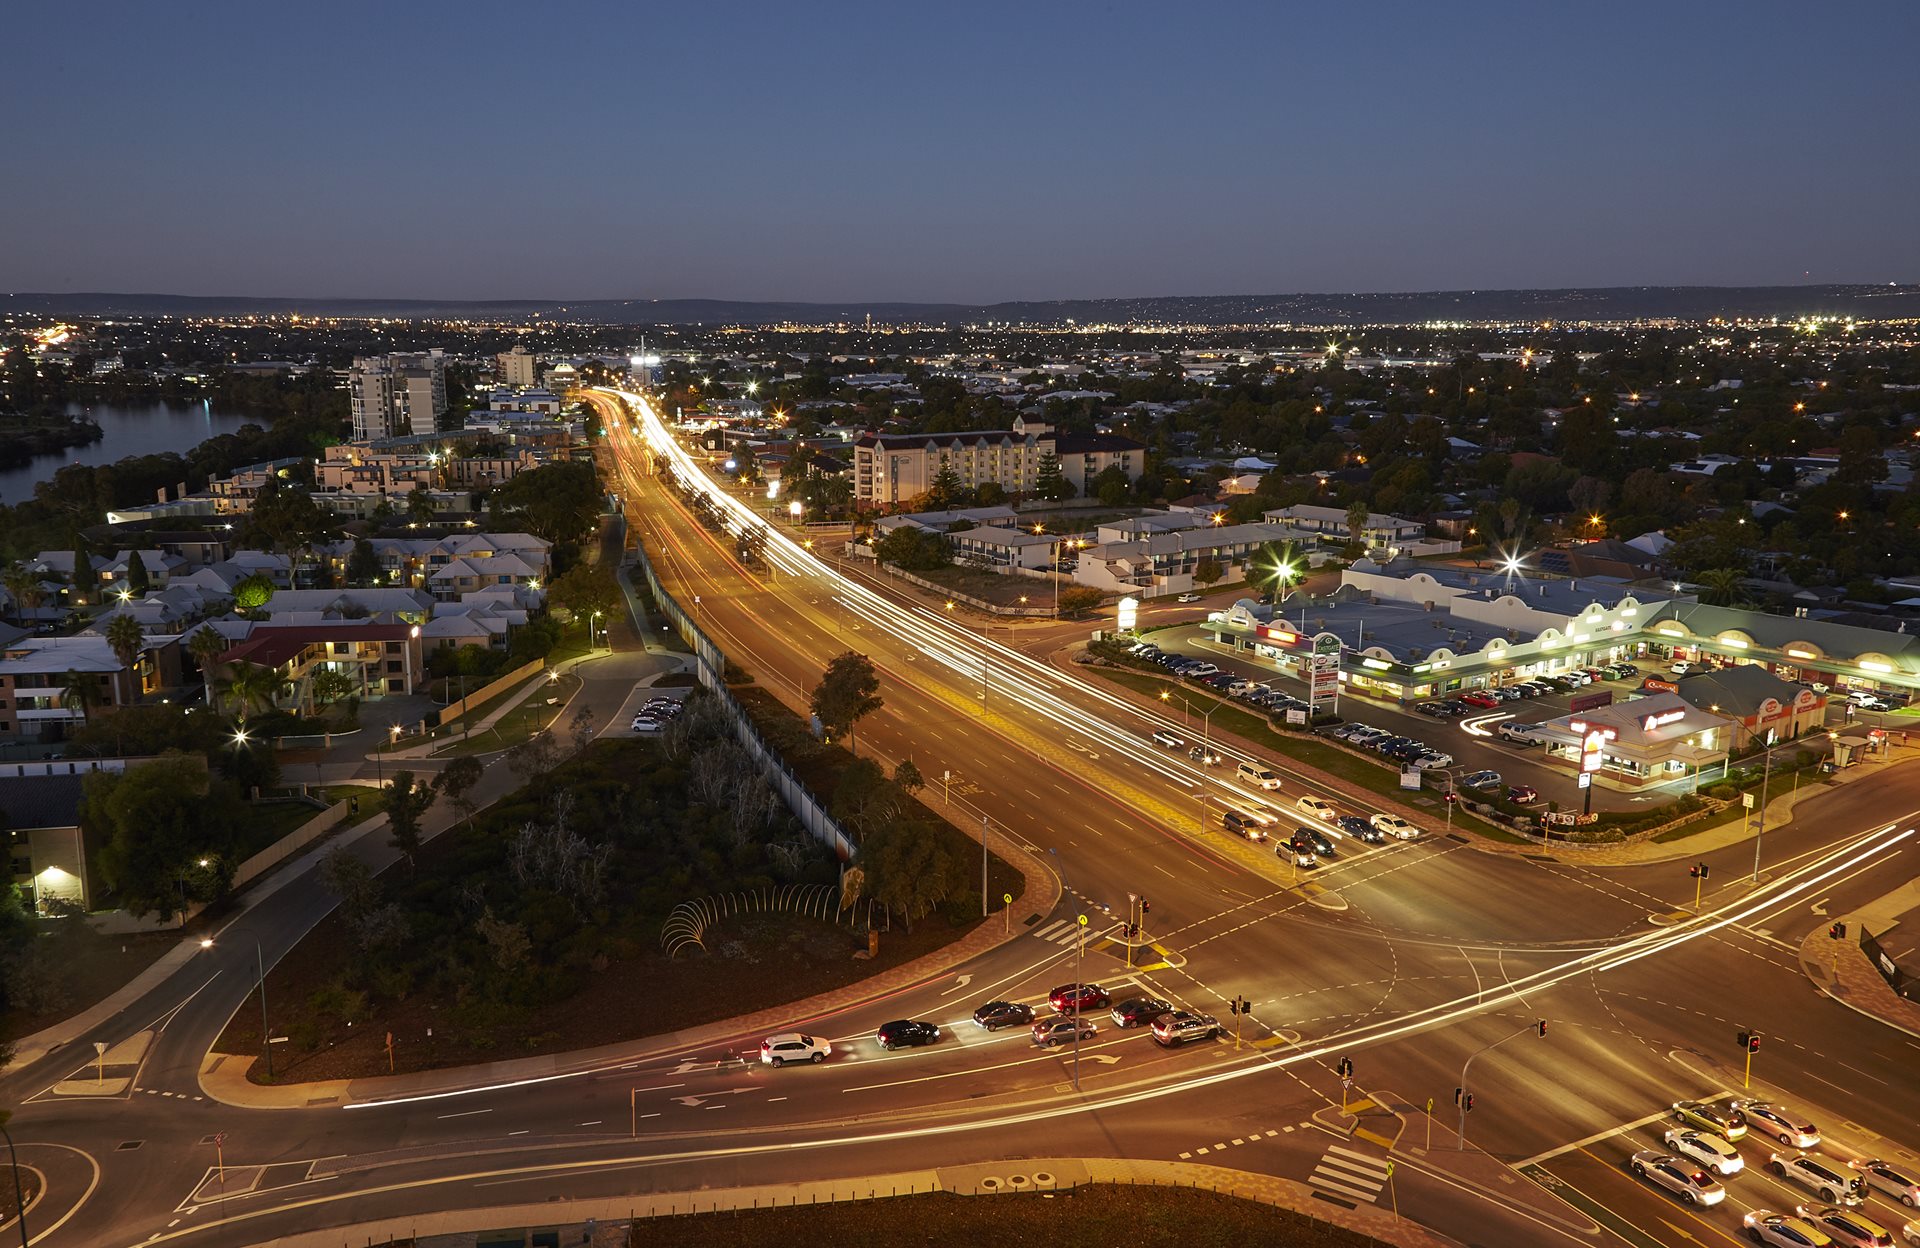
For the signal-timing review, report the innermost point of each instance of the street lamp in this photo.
(1079, 957)
(260, 968)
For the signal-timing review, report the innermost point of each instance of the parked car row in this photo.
(657, 714)
(1404, 750)
(1253, 692)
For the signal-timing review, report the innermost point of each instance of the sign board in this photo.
(1560, 817)
(1296, 716)
(1129, 613)
(1588, 701)
(1649, 722)
(1586, 779)
(1323, 671)
(1591, 747)
(1654, 685)
(1410, 777)
(1746, 800)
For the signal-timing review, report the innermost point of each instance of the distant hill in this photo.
(1621, 303)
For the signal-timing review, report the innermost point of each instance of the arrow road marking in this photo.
(1819, 907)
(1106, 1058)
(959, 982)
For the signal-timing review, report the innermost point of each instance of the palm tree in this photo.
(207, 645)
(124, 635)
(23, 586)
(253, 687)
(79, 691)
(1723, 587)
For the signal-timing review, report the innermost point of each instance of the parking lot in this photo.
(628, 721)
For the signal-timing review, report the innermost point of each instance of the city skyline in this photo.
(870, 155)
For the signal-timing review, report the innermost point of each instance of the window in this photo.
(393, 666)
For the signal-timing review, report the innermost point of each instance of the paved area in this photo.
(580, 1221)
(1843, 970)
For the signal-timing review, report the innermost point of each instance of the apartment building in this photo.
(40, 675)
(519, 368)
(398, 394)
(891, 469)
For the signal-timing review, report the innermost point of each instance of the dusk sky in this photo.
(968, 153)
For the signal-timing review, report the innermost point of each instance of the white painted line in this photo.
(1378, 1163)
(1184, 1156)
(1350, 1173)
(465, 1114)
(1319, 1180)
(521, 1132)
(1271, 1134)
(1203, 1151)
(1595, 1138)
(772, 1099)
(594, 1123)
(1053, 926)
(1238, 1143)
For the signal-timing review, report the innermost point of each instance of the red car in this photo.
(1067, 997)
(1485, 701)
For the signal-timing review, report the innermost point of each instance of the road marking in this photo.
(1595, 1138)
(772, 1099)
(594, 1123)
(520, 1132)
(467, 1114)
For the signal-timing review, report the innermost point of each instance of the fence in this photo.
(688, 923)
(291, 844)
(710, 665)
(1902, 983)
(492, 689)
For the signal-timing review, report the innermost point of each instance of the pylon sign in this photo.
(1323, 671)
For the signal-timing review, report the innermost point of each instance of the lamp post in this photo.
(260, 969)
(1080, 953)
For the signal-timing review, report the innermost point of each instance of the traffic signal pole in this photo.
(1463, 1097)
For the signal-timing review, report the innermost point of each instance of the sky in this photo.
(964, 153)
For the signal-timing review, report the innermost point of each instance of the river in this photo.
(136, 429)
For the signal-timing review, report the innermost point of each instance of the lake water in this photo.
(137, 429)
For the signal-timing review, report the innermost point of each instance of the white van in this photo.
(1257, 774)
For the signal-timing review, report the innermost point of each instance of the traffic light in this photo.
(1233, 1006)
(1741, 1038)
(1146, 907)
(1456, 1095)
(1748, 1040)
(1468, 1105)
(1698, 872)
(1345, 1068)
(1838, 931)
(1246, 1008)
(1543, 1026)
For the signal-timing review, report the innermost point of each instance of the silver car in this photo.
(1682, 1178)
(1791, 1128)
(1817, 1174)
(1846, 1227)
(1706, 1148)
(1891, 1181)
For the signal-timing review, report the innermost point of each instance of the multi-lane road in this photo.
(1405, 958)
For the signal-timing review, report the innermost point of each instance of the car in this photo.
(997, 1014)
(1188, 598)
(1360, 829)
(1182, 1026)
(1817, 1174)
(1166, 740)
(1302, 859)
(1137, 1011)
(1783, 1230)
(904, 1032)
(1204, 756)
(1706, 1148)
(1257, 774)
(1051, 1031)
(1728, 1124)
(1844, 1226)
(1311, 840)
(792, 1046)
(1437, 710)
(1682, 667)
(1682, 1178)
(1518, 734)
(1890, 1180)
(1481, 780)
(1433, 762)
(1201, 668)
(1316, 808)
(1246, 823)
(1522, 794)
(1911, 1232)
(1068, 997)
(1482, 701)
(1395, 826)
(1783, 1124)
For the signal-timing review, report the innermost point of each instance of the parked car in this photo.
(997, 1014)
(1481, 780)
(1518, 734)
(1434, 762)
(1523, 794)
(1438, 710)
(1051, 1031)
(1182, 1026)
(1483, 701)
(792, 1046)
(1066, 997)
(1138, 1011)
(1682, 667)
(901, 1032)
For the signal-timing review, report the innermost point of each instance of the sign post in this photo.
(1323, 673)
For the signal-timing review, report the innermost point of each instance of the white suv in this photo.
(791, 1046)
(1817, 1174)
(1257, 773)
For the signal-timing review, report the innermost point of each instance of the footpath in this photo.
(605, 1222)
(1844, 969)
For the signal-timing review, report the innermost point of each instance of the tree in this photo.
(1048, 481)
(1357, 515)
(908, 869)
(329, 686)
(420, 505)
(1723, 587)
(137, 580)
(1208, 571)
(251, 593)
(253, 688)
(1079, 599)
(283, 517)
(586, 590)
(83, 578)
(456, 783)
(407, 802)
(80, 691)
(990, 494)
(558, 501)
(946, 488)
(167, 832)
(363, 566)
(914, 549)
(1112, 487)
(847, 692)
(124, 636)
(907, 777)
(23, 586)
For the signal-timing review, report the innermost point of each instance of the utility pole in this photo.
(1464, 1098)
(983, 866)
(1760, 826)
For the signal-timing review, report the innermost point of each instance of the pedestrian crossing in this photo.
(1350, 1175)
(1063, 932)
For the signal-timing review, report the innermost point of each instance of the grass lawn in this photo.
(1240, 722)
(372, 800)
(92, 968)
(1095, 1216)
(267, 822)
(522, 721)
(1005, 591)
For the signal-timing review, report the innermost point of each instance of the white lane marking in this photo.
(466, 1114)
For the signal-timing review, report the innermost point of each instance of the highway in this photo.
(1406, 958)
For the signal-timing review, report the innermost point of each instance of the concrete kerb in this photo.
(1036, 1175)
(223, 1077)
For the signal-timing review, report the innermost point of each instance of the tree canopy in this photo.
(847, 692)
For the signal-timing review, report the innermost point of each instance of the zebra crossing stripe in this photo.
(1051, 930)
